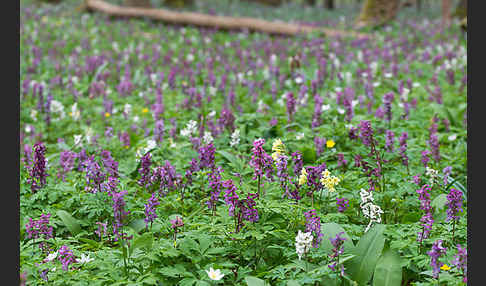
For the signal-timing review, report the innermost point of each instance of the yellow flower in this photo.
(145, 110)
(278, 149)
(326, 173)
(445, 267)
(107, 114)
(126, 147)
(303, 177)
(330, 143)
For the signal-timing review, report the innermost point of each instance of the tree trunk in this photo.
(461, 10)
(222, 22)
(329, 4)
(446, 12)
(138, 3)
(377, 12)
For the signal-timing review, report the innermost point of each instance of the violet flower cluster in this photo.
(313, 224)
(38, 172)
(261, 161)
(454, 204)
(119, 213)
(427, 219)
(66, 257)
(337, 242)
(342, 204)
(437, 251)
(150, 214)
(460, 261)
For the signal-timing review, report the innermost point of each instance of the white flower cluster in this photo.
(370, 210)
(432, 174)
(151, 144)
(57, 108)
(207, 138)
(303, 242)
(75, 112)
(235, 138)
(191, 128)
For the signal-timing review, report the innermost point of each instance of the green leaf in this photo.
(388, 271)
(144, 241)
(137, 225)
(367, 251)
(330, 230)
(293, 283)
(253, 281)
(439, 202)
(69, 221)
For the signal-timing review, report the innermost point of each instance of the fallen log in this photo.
(222, 22)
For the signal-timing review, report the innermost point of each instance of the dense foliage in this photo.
(161, 155)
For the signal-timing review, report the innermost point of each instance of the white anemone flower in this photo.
(51, 256)
(84, 259)
(214, 274)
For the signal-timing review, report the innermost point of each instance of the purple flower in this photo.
(387, 100)
(313, 224)
(166, 178)
(144, 171)
(319, 142)
(341, 160)
(389, 140)
(159, 131)
(437, 251)
(454, 204)
(176, 223)
(261, 161)
(206, 156)
(403, 148)
(125, 139)
(227, 119)
(119, 213)
(447, 172)
(102, 231)
(94, 175)
(353, 133)
(291, 105)
(365, 132)
(426, 220)
(342, 204)
(39, 229)
(66, 257)
(66, 160)
(282, 174)
(337, 243)
(298, 162)
(150, 214)
(434, 146)
(460, 261)
(215, 185)
(248, 210)
(110, 165)
(230, 196)
(425, 157)
(38, 172)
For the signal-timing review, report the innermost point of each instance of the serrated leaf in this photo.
(388, 271)
(367, 252)
(69, 221)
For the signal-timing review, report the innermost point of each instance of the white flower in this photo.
(299, 136)
(340, 110)
(89, 134)
(298, 80)
(84, 259)
(151, 144)
(212, 113)
(77, 139)
(388, 75)
(28, 128)
(370, 210)
(376, 84)
(172, 143)
(127, 108)
(303, 242)
(136, 118)
(51, 257)
(207, 138)
(75, 113)
(325, 107)
(191, 128)
(235, 138)
(190, 57)
(415, 84)
(33, 114)
(214, 274)
(452, 137)
(56, 106)
(354, 102)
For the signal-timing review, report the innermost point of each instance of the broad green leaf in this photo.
(253, 281)
(143, 241)
(69, 221)
(293, 283)
(388, 271)
(439, 202)
(330, 230)
(367, 251)
(137, 225)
